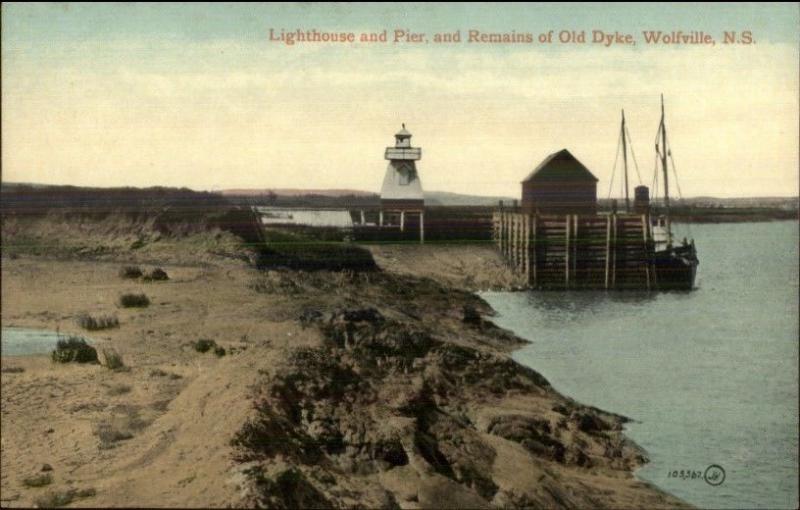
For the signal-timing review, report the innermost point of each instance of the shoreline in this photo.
(628, 420)
(428, 380)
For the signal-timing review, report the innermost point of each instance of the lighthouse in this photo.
(401, 193)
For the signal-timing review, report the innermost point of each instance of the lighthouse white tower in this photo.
(401, 192)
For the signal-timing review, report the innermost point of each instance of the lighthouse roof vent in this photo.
(403, 133)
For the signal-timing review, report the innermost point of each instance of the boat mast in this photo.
(625, 164)
(664, 167)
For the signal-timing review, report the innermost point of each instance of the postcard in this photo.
(412, 255)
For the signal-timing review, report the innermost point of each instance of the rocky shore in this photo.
(388, 388)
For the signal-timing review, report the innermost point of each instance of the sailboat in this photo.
(675, 264)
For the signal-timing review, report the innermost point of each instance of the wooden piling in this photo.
(566, 251)
(608, 250)
(646, 262)
(573, 251)
(613, 251)
(527, 244)
(533, 250)
(575, 246)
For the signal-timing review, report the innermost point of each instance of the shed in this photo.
(560, 185)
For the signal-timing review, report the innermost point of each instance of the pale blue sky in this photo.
(195, 95)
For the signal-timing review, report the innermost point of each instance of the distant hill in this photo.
(447, 198)
(352, 197)
(294, 192)
(432, 198)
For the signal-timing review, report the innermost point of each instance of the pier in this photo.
(573, 251)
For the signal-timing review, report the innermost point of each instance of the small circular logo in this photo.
(714, 475)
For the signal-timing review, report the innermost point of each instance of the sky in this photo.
(197, 95)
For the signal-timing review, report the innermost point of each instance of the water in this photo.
(710, 376)
(310, 217)
(23, 341)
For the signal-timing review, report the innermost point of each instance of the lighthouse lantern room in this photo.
(401, 193)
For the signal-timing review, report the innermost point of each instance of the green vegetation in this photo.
(300, 250)
(63, 498)
(156, 275)
(74, 349)
(90, 323)
(134, 300)
(204, 345)
(131, 272)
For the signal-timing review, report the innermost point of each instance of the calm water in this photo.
(711, 376)
(23, 341)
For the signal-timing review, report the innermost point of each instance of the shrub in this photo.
(307, 251)
(204, 345)
(112, 359)
(130, 272)
(39, 480)
(156, 275)
(74, 349)
(54, 499)
(12, 370)
(90, 323)
(63, 498)
(133, 300)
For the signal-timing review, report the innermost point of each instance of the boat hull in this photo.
(676, 268)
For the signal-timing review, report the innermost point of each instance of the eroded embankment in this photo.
(419, 405)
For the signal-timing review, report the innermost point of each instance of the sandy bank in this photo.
(381, 389)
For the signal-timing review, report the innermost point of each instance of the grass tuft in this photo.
(91, 323)
(134, 300)
(204, 345)
(112, 359)
(74, 349)
(132, 272)
(39, 480)
(156, 275)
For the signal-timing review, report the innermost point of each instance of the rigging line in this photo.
(614, 168)
(654, 196)
(635, 164)
(654, 187)
(678, 186)
(675, 172)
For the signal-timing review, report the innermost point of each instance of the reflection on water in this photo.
(573, 306)
(710, 376)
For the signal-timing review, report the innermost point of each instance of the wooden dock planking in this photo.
(574, 251)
